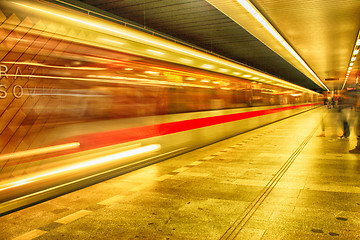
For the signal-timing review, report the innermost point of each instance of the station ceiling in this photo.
(322, 32)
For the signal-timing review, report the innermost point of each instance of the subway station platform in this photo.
(281, 181)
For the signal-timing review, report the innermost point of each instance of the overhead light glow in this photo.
(161, 45)
(353, 58)
(247, 75)
(264, 22)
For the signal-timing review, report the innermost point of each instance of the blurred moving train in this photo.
(80, 96)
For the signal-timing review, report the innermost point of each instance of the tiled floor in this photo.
(277, 182)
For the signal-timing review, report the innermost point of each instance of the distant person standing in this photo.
(329, 102)
(345, 105)
(355, 94)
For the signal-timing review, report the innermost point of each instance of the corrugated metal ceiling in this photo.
(319, 31)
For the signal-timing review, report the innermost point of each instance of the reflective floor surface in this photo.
(282, 181)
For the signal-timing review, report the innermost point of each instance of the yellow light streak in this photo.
(185, 60)
(93, 162)
(158, 44)
(39, 151)
(155, 52)
(207, 66)
(223, 70)
(53, 66)
(113, 80)
(352, 60)
(263, 21)
(112, 41)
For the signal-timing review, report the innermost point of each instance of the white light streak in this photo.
(191, 53)
(155, 52)
(93, 162)
(39, 151)
(263, 21)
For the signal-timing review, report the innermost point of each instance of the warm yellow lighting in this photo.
(39, 151)
(185, 60)
(112, 41)
(204, 80)
(256, 78)
(54, 66)
(263, 21)
(151, 40)
(236, 73)
(129, 69)
(247, 75)
(155, 52)
(92, 162)
(352, 60)
(207, 66)
(223, 70)
(152, 73)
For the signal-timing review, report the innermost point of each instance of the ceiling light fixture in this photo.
(353, 58)
(264, 22)
(149, 40)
